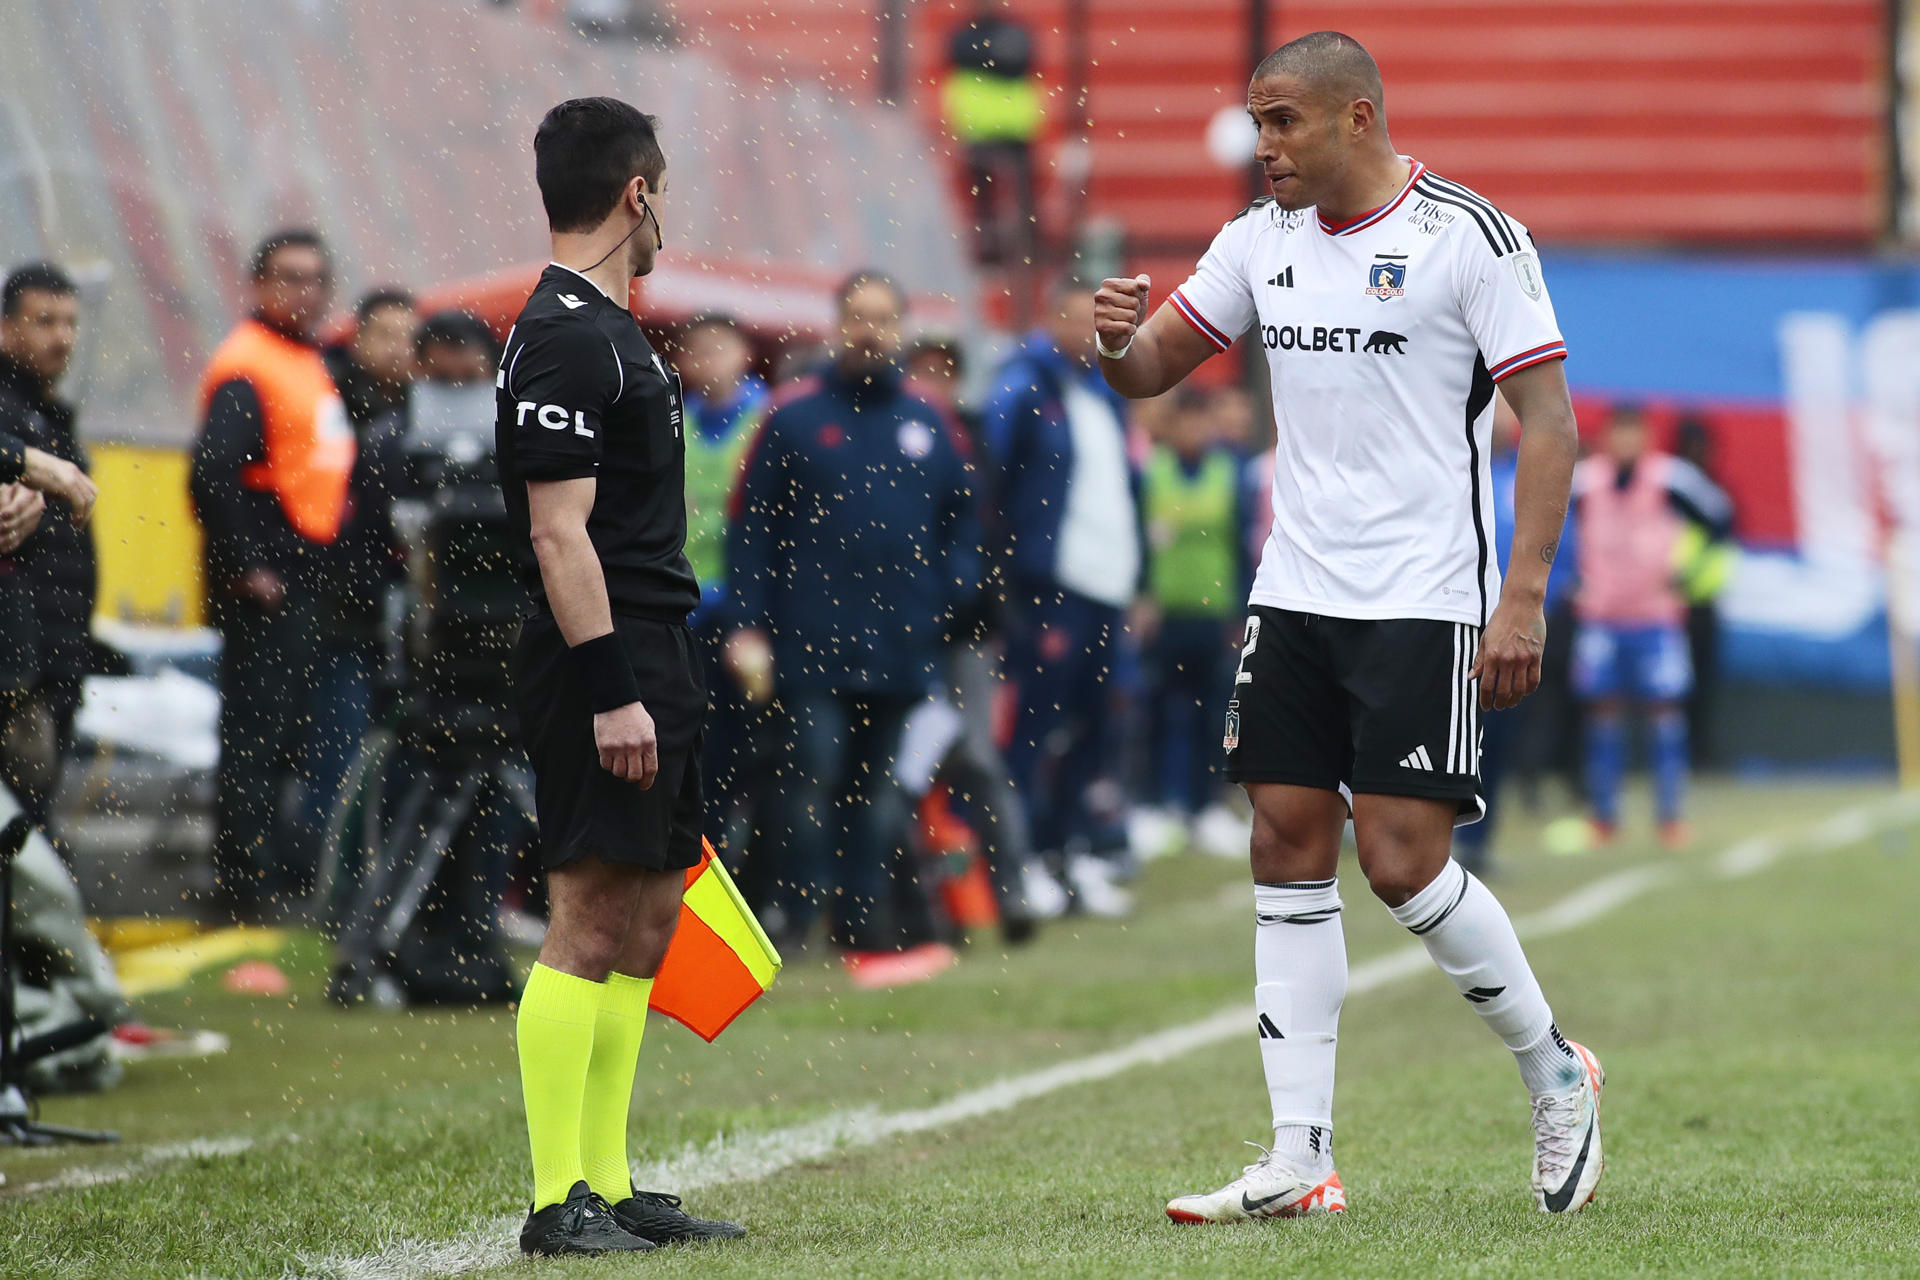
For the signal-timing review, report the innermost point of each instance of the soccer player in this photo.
(1390, 302)
(591, 440)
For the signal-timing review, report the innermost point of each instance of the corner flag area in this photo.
(1030, 1116)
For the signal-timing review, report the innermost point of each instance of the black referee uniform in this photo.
(581, 392)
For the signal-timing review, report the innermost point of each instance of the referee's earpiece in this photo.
(646, 212)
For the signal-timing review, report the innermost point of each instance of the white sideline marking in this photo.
(1748, 856)
(146, 1161)
(753, 1156)
(1592, 901)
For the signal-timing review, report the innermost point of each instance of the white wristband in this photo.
(1100, 345)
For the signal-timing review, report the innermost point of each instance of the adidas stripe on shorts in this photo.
(1359, 706)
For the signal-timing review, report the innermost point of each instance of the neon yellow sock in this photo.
(609, 1095)
(555, 1034)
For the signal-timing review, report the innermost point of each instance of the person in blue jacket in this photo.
(1074, 550)
(853, 544)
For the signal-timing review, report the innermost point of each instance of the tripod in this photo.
(18, 1128)
(436, 809)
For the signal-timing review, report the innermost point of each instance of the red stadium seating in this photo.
(1761, 121)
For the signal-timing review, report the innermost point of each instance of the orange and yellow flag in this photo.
(720, 960)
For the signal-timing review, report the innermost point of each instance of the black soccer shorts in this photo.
(581, 808)
(1374, 707)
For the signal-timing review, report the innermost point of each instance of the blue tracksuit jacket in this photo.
(1030, 444)
(854, 537)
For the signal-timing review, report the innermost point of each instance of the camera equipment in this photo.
(446, 795)
(18, 1128)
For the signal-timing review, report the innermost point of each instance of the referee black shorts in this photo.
(1373, 707)
(582, 808)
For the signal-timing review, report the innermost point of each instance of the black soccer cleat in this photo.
(654, 1216)
(582, 1223)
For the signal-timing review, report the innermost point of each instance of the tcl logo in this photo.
(554, 418)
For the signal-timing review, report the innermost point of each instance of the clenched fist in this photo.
(1119, 309)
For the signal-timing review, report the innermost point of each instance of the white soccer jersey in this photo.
(1384, 337)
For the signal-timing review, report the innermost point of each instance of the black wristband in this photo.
(609, 676)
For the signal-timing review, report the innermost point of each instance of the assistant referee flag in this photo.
(720, 960)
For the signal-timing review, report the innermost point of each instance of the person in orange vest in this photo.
(270, 484)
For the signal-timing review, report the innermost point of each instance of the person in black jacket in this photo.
(374, 367)
(853, 547)
(52, 578)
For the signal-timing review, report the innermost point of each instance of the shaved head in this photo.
(1332, 65)
(1322, 140)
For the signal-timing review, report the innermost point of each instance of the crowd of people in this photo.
(982, 639)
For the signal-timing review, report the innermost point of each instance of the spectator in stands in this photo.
(993, 105)
(271, 470)
(1633, 504)
(1057, 441)
(1706, 566)
(53, 577)
(373, 368)
(1503, 732)
(725, 404)
(853, 545)
(1197, 581)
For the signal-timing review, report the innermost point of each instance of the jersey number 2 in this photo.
(1247, 646)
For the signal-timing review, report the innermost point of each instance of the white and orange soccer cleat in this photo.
(1268, 1188)
(1566, 1140)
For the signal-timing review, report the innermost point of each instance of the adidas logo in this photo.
(1418, 759)
(1284, 280)
(1267, 1030)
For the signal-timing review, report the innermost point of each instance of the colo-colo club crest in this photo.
(1387, 277)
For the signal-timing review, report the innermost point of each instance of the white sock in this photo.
(1469, 936)
(1548, 1065)
(1300, 975)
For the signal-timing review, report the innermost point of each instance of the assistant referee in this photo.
(590, 432)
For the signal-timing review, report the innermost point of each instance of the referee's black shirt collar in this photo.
(581, 275)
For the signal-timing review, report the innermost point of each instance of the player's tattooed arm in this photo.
(1508, 665)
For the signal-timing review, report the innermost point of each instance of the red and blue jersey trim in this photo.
(1202, 326)
(1367, 219)
(1527, 359)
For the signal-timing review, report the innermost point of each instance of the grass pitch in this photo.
(1758, 1033)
